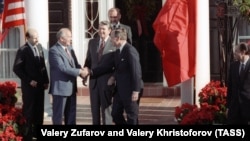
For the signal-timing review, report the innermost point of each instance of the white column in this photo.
(104, 6)
(80, 42)
(187, 91)
(202, 47)
(78, 30)
(37, 17)
(165, 84)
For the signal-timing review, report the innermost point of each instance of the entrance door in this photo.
(59, 17)
(140, 15)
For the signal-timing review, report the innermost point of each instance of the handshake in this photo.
(84, 73)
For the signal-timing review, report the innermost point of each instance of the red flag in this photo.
(14, 13)
(2, 35)
(175, 38)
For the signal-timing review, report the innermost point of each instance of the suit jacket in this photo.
(63, 71)
(28, 67)
(238, 93)
(129, 32)
(92, 59)
(127, 71)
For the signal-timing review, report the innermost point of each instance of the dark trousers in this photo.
(131, 109)
(33, 110)
(138, 101)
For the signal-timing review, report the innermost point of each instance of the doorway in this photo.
(140, 14)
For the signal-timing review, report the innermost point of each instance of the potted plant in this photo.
(11, 118)
(212, 110)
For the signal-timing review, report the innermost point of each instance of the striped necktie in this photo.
(36, 51)
(100, 51)
(68, 53)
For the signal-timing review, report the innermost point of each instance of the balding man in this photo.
(30, 67)
(114, 15)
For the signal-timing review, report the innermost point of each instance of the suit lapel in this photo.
(246, 68)
(39, 48)
(30, 51)
(122, 56)
(63, 52)
(108, 47)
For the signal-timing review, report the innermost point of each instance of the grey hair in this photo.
(62, 32)
(120, 33)
(106, 23)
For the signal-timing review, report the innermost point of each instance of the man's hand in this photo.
(111, 81)
(46, 86)
(33, 83)
(135, 96)
(84, 81)
(84, 72)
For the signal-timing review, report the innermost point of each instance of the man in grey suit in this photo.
(99, 52)
(64, 69)
(114, 15)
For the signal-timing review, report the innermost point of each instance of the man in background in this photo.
(99, 51)
(238, 93)
(114, 15)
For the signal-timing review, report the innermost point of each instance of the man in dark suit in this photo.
(127, 77)
(30, 67)
(64, 69)
(99, 50)
(114, 15)
(238, 93)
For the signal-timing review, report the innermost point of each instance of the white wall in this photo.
(202, 49)
(80, 42)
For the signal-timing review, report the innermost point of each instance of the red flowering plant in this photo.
(11, 118)
(183, 110)
(212, 108)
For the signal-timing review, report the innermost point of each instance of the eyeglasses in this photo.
(113, 17)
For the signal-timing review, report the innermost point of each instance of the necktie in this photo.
(242, 71)
(101, 50)
(36, 51)
(118, 52)
(67, 51)
(36, 54)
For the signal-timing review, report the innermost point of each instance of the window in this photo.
(7, 54)
(92, 18)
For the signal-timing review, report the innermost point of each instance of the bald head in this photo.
(32, 36)
(114, 15)
(64, 36)
(30, 32)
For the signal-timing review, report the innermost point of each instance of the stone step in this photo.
(147, 115)
(157, 109)
(153, 115)
(150, 90)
